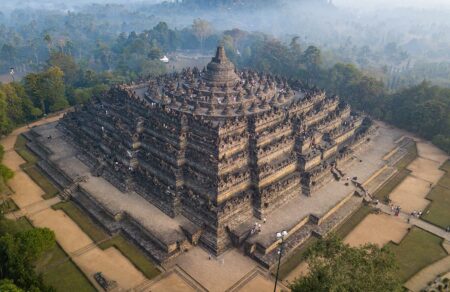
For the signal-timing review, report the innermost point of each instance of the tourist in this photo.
(264, 220)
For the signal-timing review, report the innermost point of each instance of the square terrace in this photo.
(112, 199)
(325, 198)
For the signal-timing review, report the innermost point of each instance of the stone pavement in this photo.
(214, 273)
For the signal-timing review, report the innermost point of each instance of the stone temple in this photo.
(215, 150)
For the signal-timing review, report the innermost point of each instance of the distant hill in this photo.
(243, 3)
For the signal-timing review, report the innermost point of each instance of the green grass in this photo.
(32, 170)
(408, 158)
(61, 273)
(21, 148)
(21, 142)
(296, 257)
(417, 250)
(8, 206)
(84, 222)
(445, 180)
(135, 256)
(446, 166)
(23, 224)
(349, 224)
(4, 188)
(39, 178)
(29, 157)
(67, 277)
(437, 212)
(383, 192)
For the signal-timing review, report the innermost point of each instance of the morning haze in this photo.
(224, 145)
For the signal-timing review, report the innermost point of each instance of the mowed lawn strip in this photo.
(42, 181)
(386, 189)
(418, 249)
(438, 211)
(21, 148)
(134, 254)
(95, 232)
(8, 205)
(32, 170)
(61, 273)
(410, 156)
(383, 192)
(352, 221)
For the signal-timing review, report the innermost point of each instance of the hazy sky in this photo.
(387, 3)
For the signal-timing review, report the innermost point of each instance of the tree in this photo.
(202, 29)
(19, 252)
(336, 266)
(49, 41)
(66, 63)
(47, 89)
(7, 285)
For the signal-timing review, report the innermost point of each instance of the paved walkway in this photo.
(417, 222)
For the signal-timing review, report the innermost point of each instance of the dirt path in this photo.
(88, 257)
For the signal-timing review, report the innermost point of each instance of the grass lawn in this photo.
(84, 222)
(67, 277)
(61, 273)
(417, 250)
(135, 256)
(36, 175)
(408, 158)
(21, 148)
(446, 166)
(438, 209)
(349, 224)
(29, 157)
(4, 189)
(295, 258)
(32, 170)
(384, 191)
(445, 180)
(8, 206)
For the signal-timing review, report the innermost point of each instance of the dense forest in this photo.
(67, 57)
